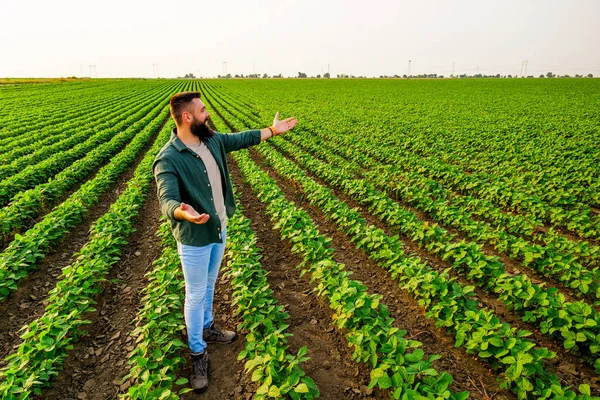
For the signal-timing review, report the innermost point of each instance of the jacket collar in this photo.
(177, 143)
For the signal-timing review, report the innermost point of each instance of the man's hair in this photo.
(179, 103)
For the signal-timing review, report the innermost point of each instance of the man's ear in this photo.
(186, 117)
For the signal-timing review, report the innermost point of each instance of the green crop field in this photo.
(409, 239)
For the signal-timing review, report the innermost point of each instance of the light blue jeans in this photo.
(200, 269)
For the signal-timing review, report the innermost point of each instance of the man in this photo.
(194, 191)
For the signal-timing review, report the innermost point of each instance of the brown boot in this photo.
(212, 334)
(200, 366)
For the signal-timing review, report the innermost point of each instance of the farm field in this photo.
(408, 239)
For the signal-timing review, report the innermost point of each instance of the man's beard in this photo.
(201, 130)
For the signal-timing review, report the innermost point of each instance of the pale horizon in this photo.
(151, 39)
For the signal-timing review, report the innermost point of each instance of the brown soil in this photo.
(94, 367)
(330, 364)
(29, 300)
(512, 266)
(469, 374)
(49, 206)
(568, 366)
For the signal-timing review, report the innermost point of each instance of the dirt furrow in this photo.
(568, 366)
(49, 207)
(330, 364)
(512, 266)
(28, 301)
(469, 374)
(94, 367)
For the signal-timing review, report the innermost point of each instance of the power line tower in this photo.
(522, 66)
(95, 72)
(526, 68)
(453, 63)
(409, 65)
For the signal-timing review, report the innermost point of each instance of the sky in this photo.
(362, 38)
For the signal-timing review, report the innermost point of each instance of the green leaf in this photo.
(585, 389)
(384, 382)
(377, 373)
(274, 392)
(301, 388)
(181, 381)
(257, 375)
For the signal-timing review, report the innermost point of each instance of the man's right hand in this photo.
(187, 213)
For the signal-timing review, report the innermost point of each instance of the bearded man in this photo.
(195, 195)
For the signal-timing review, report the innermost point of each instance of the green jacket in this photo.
(181, 177)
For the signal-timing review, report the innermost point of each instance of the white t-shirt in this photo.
(214, 177)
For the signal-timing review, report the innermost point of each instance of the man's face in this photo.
(198, 110)
(199, 117)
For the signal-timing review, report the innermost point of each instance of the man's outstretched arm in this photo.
(237, 141)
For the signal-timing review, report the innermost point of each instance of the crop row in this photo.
(394, 166)
(575, 216)
(428, 196)
(560, 250)
(36, 174)
(419, 114)
(395, 362)
(519, 362)
(23, 253)
(390, 135)
(277, 373)
(29, 156)
(47, 339)
(17, 115)
(449, 303)
(155, 360)
(564, 167)
(575, 323)
(63, 116)
(48, 140)
(27, 205)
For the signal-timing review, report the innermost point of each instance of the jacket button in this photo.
(209, 184)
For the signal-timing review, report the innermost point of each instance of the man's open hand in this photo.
(285, 125)
(187, 212)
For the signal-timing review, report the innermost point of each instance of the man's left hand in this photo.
(284, 125)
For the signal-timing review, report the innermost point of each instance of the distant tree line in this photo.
(303, 75)
(548, 75)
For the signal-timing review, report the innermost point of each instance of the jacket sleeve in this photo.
(167, 184)
(241, 140)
